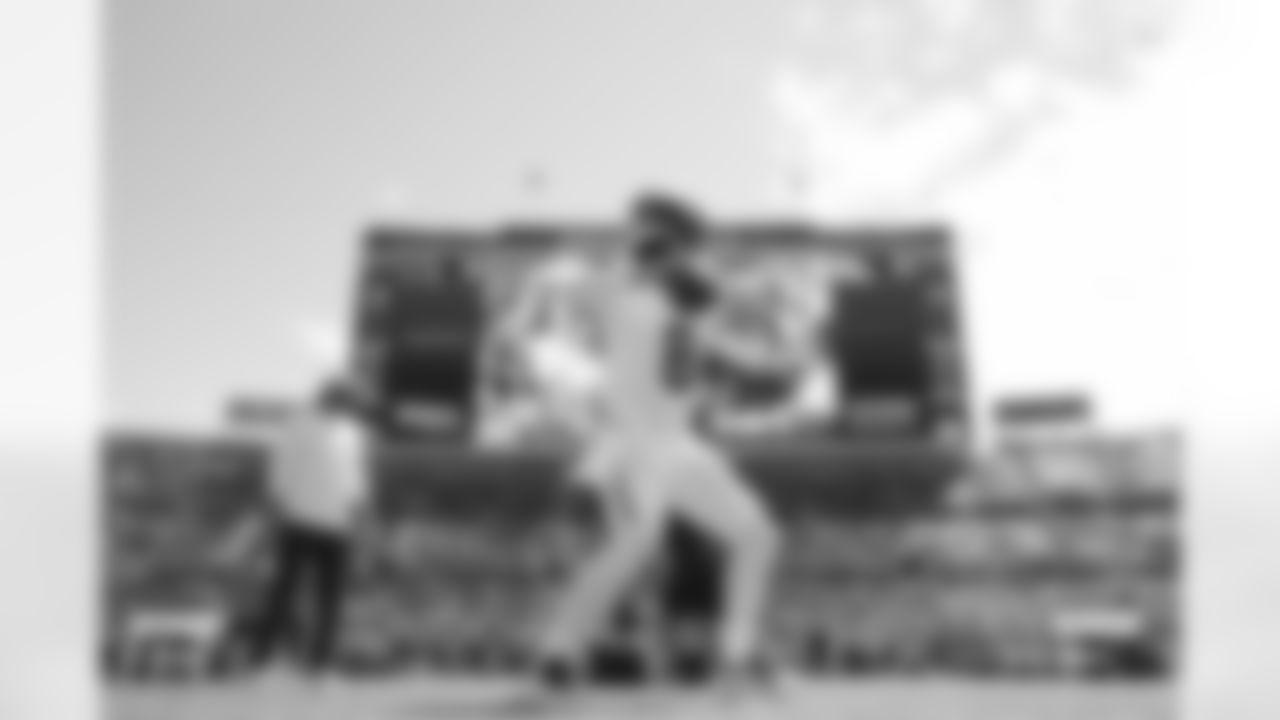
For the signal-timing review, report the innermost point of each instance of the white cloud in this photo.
(1071, 281)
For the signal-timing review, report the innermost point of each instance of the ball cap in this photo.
(666, 214)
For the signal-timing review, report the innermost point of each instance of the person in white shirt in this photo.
(317, 496)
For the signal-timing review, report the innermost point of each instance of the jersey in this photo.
(644, 390)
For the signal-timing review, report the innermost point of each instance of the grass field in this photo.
(429, 698)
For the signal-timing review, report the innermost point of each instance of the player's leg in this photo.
(633, 531)
(278, 620)
(329, 561)
(715, 498)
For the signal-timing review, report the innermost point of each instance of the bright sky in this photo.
(249, 141)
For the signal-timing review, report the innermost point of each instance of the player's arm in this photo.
(814, 401)
(716, 338)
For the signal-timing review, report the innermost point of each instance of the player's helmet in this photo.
(668, 225)
(670, 229)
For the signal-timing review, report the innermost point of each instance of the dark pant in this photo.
(304, 596)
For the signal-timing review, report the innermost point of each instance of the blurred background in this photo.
(997, 489)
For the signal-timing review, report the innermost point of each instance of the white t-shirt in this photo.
(316, 469)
